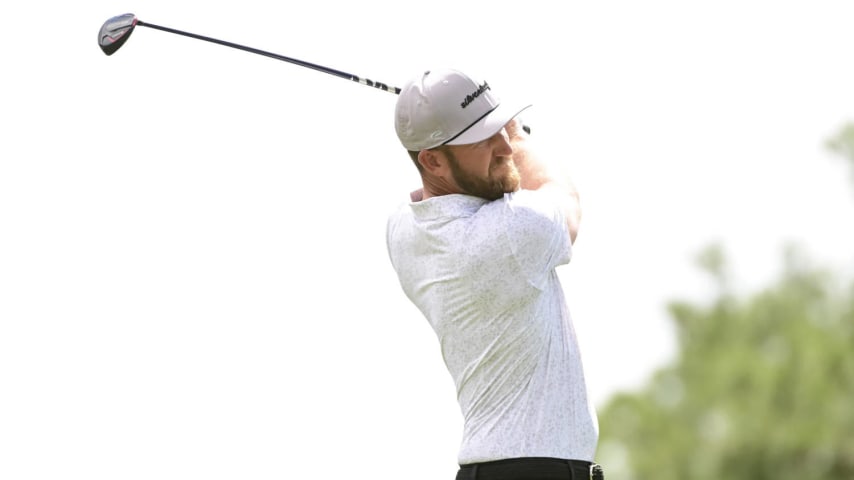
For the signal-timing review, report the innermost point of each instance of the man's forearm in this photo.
(539, 172)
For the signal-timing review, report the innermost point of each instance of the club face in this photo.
(115, 32)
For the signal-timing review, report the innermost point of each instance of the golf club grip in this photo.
(320, 68)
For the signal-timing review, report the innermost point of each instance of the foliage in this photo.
(843, 144)
(762, 387)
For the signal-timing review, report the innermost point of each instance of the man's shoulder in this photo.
(530, 215)
(522, 204)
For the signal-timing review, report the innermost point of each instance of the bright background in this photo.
(193, 274)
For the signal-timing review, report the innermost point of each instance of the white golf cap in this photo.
(447, 107)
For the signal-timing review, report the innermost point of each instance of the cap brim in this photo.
(489, 125)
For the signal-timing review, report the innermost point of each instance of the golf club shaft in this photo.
(320, 68)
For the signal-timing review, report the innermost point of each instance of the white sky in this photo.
(193, 275)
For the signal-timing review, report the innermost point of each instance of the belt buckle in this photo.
(596, 472)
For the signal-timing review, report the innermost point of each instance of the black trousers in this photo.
(528, 468)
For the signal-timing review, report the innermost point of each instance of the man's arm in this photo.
(540, 173)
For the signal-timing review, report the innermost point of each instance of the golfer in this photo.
(475, 249)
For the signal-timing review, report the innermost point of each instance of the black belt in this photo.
(533, 468)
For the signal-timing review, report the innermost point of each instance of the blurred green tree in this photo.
(762, 386)
(843, 144)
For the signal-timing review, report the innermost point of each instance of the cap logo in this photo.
(473, 96)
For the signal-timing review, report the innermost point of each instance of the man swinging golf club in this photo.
(476, 250)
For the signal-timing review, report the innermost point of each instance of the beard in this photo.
(503, 177)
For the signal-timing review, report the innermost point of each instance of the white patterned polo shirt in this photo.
(483, 274)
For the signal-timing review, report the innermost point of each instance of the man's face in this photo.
(484, 169)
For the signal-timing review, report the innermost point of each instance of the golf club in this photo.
(116, 31)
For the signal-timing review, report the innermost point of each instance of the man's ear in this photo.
(432, 161)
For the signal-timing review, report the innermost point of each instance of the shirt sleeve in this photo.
(536, 233)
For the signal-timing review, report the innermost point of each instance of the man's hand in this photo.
(516, 130)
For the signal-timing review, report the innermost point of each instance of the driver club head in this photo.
(115, 32)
